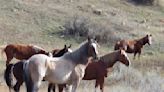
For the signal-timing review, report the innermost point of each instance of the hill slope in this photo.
(40, 22)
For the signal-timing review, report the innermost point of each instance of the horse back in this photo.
(127, 45)
(121, 45)
(18, 48)
(21, 51)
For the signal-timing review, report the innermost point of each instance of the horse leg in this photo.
(36, 85)
(53, 87)
(10, 89)
(139, 53)
(61, 87)
(96, 84)
(101, 80)
(75, 85)
(9, 58)
(50, 86)
(134, 55)
(17, 86)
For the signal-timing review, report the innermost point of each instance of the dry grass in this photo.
(136, 80)
(35, 22)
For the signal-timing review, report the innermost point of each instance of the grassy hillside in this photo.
(41, 22)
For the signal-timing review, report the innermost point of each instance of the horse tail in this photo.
(27, 78)
(2, 48)
(8, 76)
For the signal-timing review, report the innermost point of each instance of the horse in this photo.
(68, 69)
(98, 70)
(20, 51)
(134, 46)
(60, 52)
(14, 68)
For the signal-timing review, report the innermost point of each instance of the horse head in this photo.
(67, 48)
(92, 48)
(123, 58)
(149, 39)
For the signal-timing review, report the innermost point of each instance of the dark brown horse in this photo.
(60, 52)
(98, 70)
(133, 46)
(21, 52)
(14, 68)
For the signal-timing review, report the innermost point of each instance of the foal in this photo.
(133, 46)
(14, 68)
(98, 70)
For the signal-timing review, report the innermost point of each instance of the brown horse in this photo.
(14, 68)
(133, 46)
(21, 52)
(98, 70)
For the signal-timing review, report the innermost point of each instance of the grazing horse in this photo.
(14, 68)
(68, 69)
(133, 46)
(21, 52)
(98, 70)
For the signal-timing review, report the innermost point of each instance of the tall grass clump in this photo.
(142, 82)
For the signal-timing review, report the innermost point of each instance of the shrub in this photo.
(83, 27)
(144, 2)
(77, 26)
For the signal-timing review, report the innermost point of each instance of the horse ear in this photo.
(89, 39)
(95, 38)
(65, 46)
(69, 46)
(121, 51)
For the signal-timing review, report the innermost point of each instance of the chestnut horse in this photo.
(98, 70)
(133, 46)
(21, 52)
(14, 68)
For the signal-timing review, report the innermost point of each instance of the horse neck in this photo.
(142, 41)
(59, 53)
(109, 59)
(79, 56)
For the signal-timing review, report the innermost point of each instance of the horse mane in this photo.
(142, 40)
(36, 47)
(78, 54)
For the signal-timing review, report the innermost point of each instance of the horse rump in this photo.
(27, 78)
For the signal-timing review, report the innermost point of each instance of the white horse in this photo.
(59, 70)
